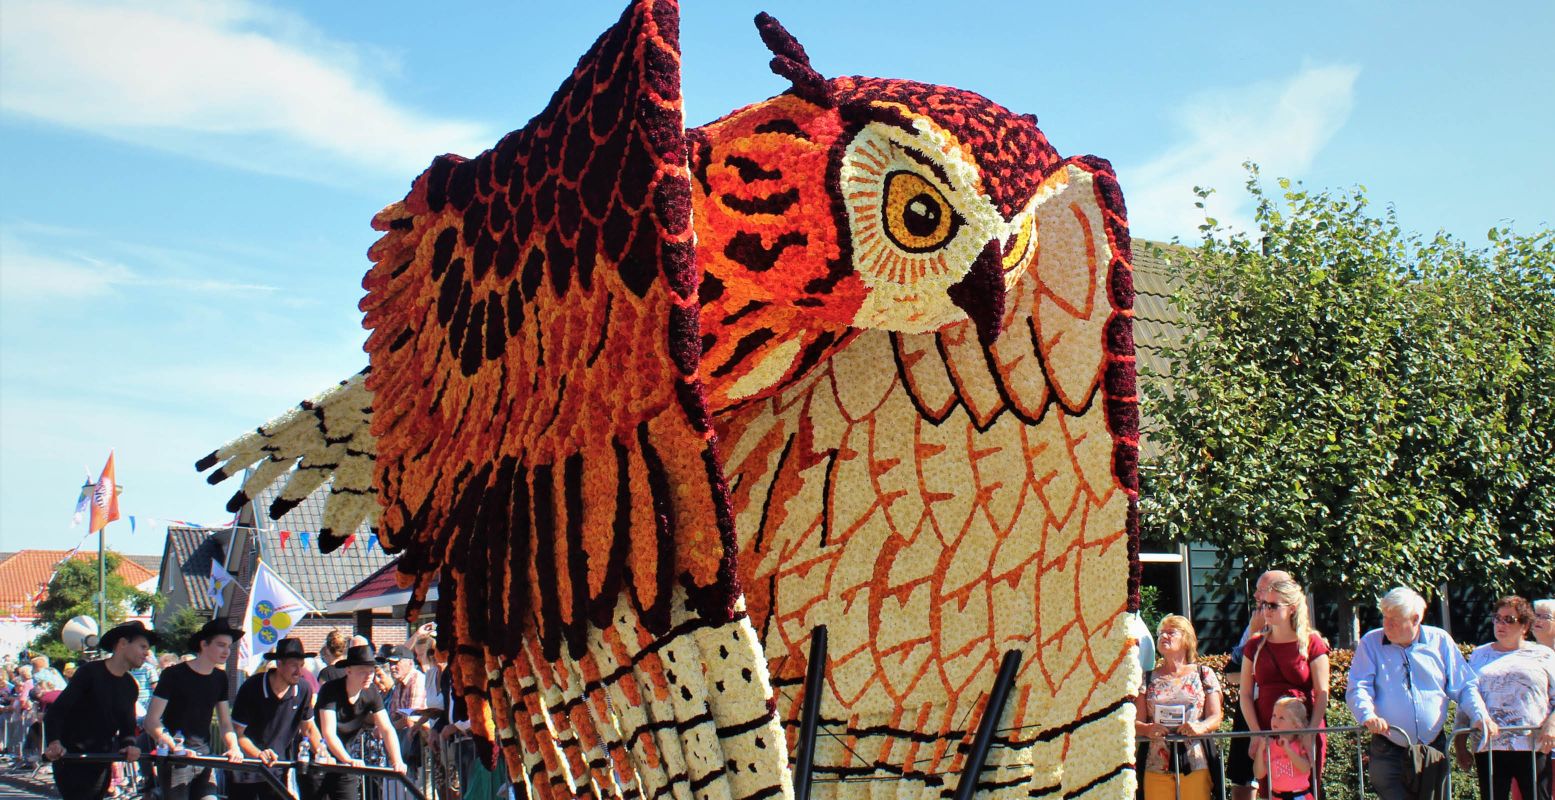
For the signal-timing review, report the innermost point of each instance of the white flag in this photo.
(273, 608)
(220, 580)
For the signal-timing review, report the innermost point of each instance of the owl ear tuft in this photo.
(790, 61)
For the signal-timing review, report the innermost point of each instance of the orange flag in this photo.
(105, 498)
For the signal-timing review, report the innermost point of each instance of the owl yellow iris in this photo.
(917, 216)
(1018, 249)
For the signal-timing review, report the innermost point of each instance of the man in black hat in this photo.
(271, 714)
(346, 706)
(181, 706)
(96, 712)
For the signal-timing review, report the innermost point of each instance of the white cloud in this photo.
(224, 80)
(31, 270)
(1279, 125)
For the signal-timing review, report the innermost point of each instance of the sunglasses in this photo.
(1505, 620)
(1268, 606)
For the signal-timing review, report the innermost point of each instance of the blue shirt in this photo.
(145, 676)
(1409, 686)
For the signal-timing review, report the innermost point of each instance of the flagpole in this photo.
(102, 582)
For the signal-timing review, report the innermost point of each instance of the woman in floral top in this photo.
(1181, 697)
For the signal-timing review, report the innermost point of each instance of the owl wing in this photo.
(936, 502)
(327, 438)
(544, 452)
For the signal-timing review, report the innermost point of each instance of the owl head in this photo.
(873, 203)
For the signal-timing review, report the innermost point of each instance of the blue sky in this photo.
(185, 187)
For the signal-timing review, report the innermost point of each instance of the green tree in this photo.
(73, 592)
(1358, 404)
(176, 629)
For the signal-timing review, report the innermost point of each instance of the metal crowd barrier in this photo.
(1321, 788)
(247, 765)
(1490, 772)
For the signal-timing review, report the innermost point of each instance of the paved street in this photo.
(12, 787)
(20, 783)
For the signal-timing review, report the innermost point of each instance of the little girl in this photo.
(1285, 764)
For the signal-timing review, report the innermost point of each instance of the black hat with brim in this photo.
(358, 656)
(290, 647)
(129, 630)
(398, 652)
(210, 630)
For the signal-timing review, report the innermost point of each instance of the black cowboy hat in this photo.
(210, 630)
(290, 647)
(358, 656)
(129, 630)
(391, 653)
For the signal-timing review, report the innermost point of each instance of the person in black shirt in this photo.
(185, 696)
(273, 710)
(96, 713)
(346, 706)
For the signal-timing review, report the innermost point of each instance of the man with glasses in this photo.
(1401, 679)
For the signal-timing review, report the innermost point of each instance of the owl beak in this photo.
(980, 293)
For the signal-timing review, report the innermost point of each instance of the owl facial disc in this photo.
(926, 240)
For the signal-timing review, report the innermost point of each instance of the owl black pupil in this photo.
(921, 216)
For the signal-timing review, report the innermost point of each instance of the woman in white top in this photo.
(1517, 680)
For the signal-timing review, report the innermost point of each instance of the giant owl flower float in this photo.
(652, 405)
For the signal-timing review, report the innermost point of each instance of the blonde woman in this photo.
(1179, 696)
(1288, 658)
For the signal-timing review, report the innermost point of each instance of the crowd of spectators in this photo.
(351, 703)
(393, 706)
(1403, 679)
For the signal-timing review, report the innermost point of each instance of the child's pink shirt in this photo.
(1283, 776)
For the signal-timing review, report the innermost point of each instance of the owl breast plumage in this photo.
(650, 405)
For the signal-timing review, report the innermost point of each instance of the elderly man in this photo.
(1400, 681)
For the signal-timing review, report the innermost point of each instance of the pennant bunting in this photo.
(284, 536)
(305, 536)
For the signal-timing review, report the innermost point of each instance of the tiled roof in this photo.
(375, 585)
(1157, 323)
(25, 572)
(190, 551)
(319, 577)
(378, 590)
(152, 563)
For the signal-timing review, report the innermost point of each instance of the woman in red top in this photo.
(1288, 658)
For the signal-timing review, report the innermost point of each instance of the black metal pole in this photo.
(810, 715)
(988, 725)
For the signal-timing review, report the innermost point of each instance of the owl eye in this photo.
(917, 217)
(1018, 248)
